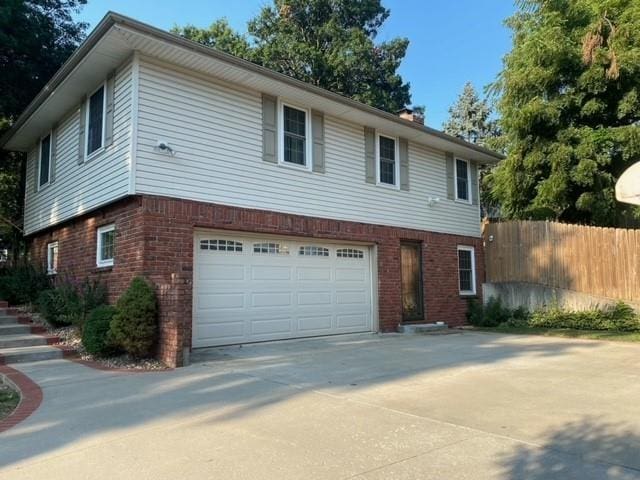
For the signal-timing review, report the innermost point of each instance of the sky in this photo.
(451, 41)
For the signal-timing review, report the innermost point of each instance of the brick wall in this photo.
(155, 238)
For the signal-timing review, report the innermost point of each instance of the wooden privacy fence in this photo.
(594, 260)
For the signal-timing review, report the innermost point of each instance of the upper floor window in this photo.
(387, 160)
(463, 190)
(466, 270)
(44, 165)
(295, 136)
(106, 247)
(52, 258)
(95, 120)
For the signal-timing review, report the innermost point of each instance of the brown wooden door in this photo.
(411, 265)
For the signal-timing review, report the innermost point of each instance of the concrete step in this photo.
(8, 320)
(422, 328)
(29, 354)
(26, 340)
(14, 329)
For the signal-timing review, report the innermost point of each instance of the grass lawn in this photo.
(9, 399)
(567, 332)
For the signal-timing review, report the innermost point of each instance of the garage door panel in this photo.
(221, 271)
(350, 274)
(314, 298)
(278, 289)
(271, 326)
(221, 301)
(271, 299)
(315, 323)
(314, 274)
(270, 272)
(352, 320)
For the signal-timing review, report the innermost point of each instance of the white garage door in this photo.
(255, 289)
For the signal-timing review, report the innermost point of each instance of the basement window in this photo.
(52, 258)
(466, 270)
(106, 246)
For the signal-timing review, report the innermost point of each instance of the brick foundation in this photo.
(154, 238)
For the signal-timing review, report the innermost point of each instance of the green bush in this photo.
(60, 306)
(134, 326)
(95, 335)
(620, 317)
(68, 304)
(21, 285)
(490, 315)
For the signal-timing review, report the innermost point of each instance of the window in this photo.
(272, 248)
(466, 270)
(95, 120)
(106, 246)
(52, 258)
(44, 168)
(349, 253)
(295, 145)
(462, 180)
(313, 251)
(221, 245)
(387, 161)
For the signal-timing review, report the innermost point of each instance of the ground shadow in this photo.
(587, 449)
(224, 384)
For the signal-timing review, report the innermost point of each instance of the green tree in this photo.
(570, 106)
(328, 43)
(36, 37)
(469, 117)
(219, 35)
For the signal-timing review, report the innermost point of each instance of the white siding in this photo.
(216, 132)
(80, 188)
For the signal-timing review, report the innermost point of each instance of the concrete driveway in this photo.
(467, 405)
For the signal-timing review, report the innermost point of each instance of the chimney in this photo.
(408, 114)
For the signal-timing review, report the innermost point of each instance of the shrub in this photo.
(60, 306)
(22, 284)
(490, 315)
(68, 304)
(134, 325)
(95, 335)
(620, 317)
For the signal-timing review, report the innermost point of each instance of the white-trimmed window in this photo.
(462, 181)
(313, 251)
(272, 248)
(349, 253)
(295, 136)
(221, 245)
(52, 258)
(466, 270)
(106, 248)
(95, 121)
(387, 160)
(44, 161)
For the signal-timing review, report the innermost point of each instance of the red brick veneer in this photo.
(154, 238)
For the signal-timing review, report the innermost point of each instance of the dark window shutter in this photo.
(269, 128)
(54, 154)
(108, 117)
(317, 130)
(82, 130)
(36, 167)
(450, 176)
(403, 147)
(473, 180)
(370, 154)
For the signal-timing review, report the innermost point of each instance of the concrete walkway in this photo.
(462, 406)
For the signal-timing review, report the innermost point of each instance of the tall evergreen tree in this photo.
(36, 37)
(570, 110)
(329, 43)
(469, 117)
